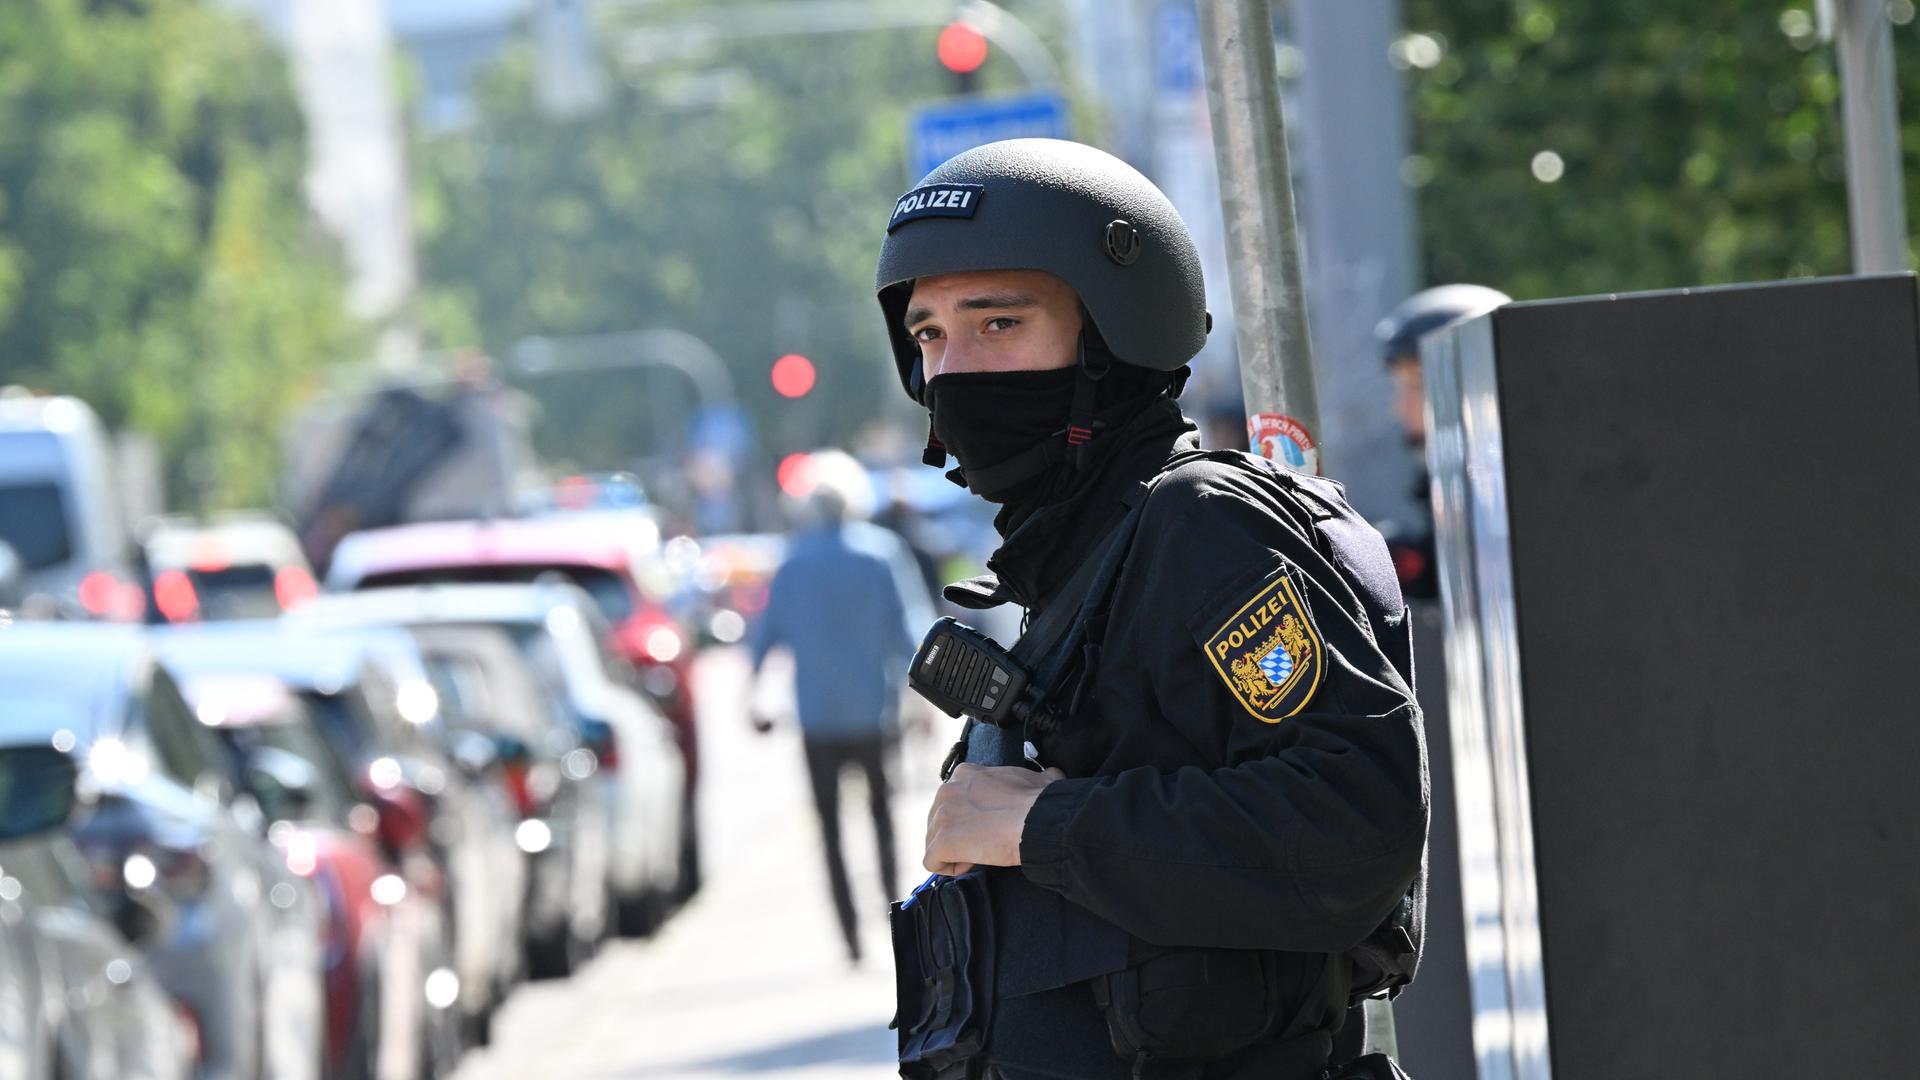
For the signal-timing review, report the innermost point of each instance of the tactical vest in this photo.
(1043, 941)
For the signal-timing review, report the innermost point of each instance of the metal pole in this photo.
(1263, 243)
(676, 349)
(1263, 260)
(1876, 195)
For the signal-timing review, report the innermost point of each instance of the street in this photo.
(751, 978)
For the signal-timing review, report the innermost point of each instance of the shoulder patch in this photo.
(1269, 653)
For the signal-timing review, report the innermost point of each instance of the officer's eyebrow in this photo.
(984, 302)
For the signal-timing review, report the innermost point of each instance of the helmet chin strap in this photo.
(1068, 444)
(1081, 425)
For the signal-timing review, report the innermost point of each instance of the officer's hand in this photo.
(978, 815)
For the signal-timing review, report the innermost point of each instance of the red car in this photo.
(615, 555)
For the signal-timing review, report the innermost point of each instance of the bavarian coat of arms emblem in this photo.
(1269, 654)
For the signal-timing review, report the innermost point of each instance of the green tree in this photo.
(733, 187)
(1696, 143)
(156, 257)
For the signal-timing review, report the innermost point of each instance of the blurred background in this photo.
(407, 404)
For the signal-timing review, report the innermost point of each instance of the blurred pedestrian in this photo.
(1202, 841)
(845, 603)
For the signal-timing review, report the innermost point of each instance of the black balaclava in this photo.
(988, 419)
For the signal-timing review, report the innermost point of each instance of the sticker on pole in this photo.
(1281, 438)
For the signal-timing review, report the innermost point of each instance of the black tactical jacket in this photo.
(1246, 767)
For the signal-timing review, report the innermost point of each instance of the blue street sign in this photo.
(1176, 54)
(725, 428)
(937, 132)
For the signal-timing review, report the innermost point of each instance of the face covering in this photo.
(985, 418)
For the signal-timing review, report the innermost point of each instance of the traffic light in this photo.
(794, 474)
(962, 49)
(792, 376)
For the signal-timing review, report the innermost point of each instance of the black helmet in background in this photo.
(1422, 313)
(1070, 210)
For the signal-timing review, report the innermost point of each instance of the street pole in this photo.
(1263, 241)
(1869, 105)
(677, 350)
(1263, 253)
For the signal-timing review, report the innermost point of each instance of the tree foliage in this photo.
(730, 185)
(156, 258)
(1701, 142)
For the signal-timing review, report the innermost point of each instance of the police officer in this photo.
(1233, 798)
(1399, 335)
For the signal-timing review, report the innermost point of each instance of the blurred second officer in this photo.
(1224, 848)
(843, 603)
(1399, 335)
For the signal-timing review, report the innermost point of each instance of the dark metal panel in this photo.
(1499, 906)
(1713, 512)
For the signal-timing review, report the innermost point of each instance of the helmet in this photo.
(1400, 332)
(1078, 213)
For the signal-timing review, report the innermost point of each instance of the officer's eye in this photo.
(1002, 323)
(926, 334)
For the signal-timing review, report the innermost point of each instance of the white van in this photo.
(60, 508)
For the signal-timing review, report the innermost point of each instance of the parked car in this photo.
(380, 940)
(60, 509)
(727, 579)
(80, 1002)
(569, 905)
(374, 706)
(614, 555)
(237, 566)
(542, 762)
(590, 491)
(238, 939)
(557, 629)
(474, 831)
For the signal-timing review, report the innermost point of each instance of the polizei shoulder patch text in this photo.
(936, 200)
(1269, 653)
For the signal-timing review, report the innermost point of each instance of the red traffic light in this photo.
(795, 475)
(792, 375)
(962, 49)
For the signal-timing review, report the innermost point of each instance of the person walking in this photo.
(845, 604)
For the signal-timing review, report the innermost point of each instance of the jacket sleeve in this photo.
(1299, 833)
(769, 629)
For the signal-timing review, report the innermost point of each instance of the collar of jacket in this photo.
(1044, 539)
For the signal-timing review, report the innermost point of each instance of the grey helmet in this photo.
(1422, 313)
(1078, 213)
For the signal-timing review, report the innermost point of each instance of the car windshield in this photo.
(549, 668)
(33, 522)
(333, 789)
(241, 591)
(611, 592)
(345, 723)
